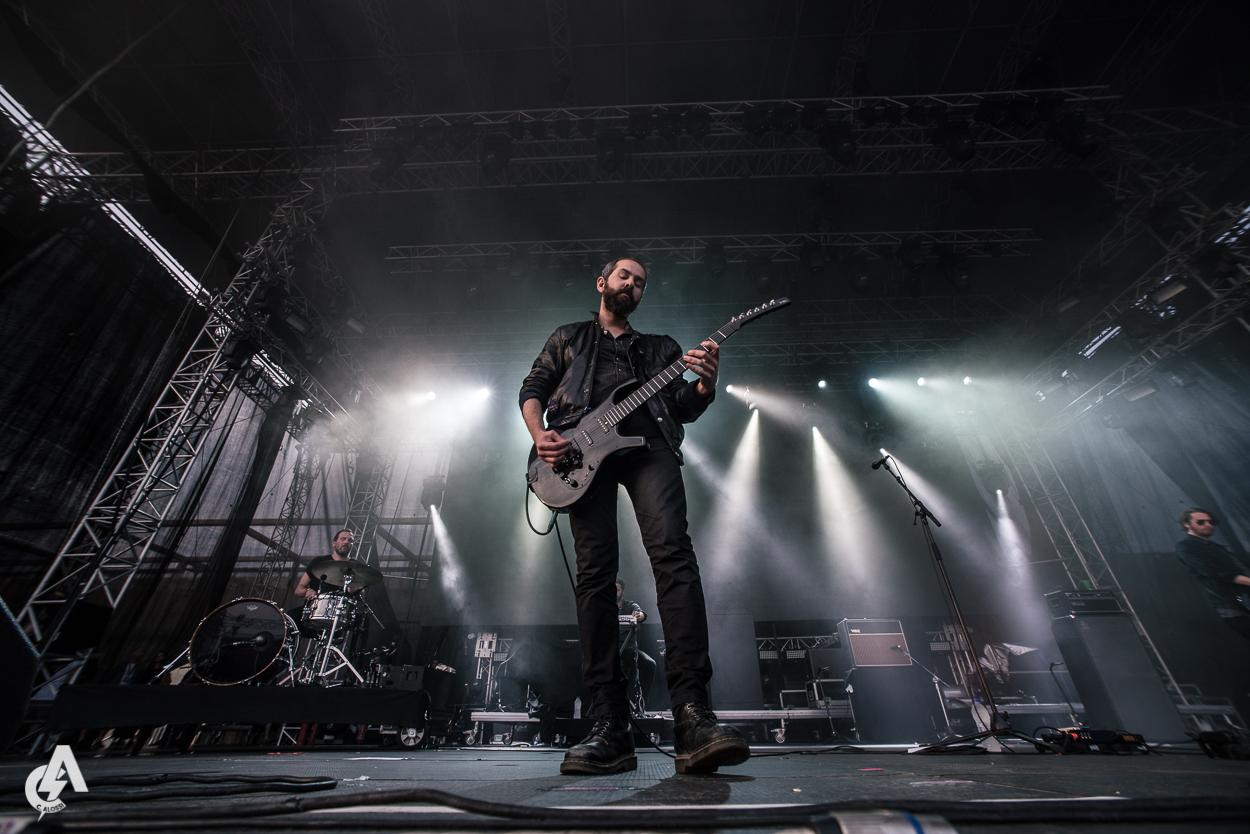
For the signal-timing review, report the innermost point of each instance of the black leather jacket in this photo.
(565, 369)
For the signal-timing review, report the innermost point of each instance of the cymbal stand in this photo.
(999, 727)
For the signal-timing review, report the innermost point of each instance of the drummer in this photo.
(310, 584)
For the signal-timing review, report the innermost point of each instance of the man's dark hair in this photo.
(620, 582)
(1189, 514)
(608, 270)
(341, 532)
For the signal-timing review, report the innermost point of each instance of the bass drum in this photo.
(241, 640)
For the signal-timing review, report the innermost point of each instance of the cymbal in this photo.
(335, 572)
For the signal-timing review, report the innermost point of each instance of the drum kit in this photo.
(253, 641)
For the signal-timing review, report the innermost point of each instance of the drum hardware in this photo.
(339, 615)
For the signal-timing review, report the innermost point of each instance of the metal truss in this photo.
(1177, 135)
(111, 541)
(400, 84)
(1225, 227)
(240, 17)
(1023, 42)
(1230, 297)
(370, 474)
(673, 251)
(561, 55)
(854, 45)
(1076, 546)
(1172, 22)
(820, 334)
(309, 466)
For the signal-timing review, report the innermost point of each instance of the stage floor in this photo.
(1023, 791)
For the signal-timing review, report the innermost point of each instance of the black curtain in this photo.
(92, 328)
(212, 585)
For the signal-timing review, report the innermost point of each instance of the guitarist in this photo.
(1223, 580)
(576, 370)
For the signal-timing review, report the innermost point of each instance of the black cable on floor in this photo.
(1188, 809)
(185, 793)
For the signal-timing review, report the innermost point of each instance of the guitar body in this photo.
(593, 442)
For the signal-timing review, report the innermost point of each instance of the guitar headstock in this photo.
(755, 312)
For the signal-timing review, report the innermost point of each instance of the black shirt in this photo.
(615, 364)
(1214, 568)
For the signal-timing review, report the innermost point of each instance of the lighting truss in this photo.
(309, 466)
(1229, 297)
(370, 473)
(673, 251)
(1167, 136)
(836, 332)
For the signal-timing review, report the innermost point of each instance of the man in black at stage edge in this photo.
(1222, 577)
(340, 551)
(576, 370)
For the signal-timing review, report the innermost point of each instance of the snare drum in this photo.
(321, 610)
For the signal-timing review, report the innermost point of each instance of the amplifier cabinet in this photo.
(1115, 678)
(873, 642)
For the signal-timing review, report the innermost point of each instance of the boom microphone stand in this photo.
(999, 726)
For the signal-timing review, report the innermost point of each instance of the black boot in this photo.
(608, 749)
(702, 744)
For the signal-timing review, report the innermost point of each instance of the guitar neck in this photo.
(654, 385)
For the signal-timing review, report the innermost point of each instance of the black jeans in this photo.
(652, 478)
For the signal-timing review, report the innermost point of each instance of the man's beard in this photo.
(618, 306)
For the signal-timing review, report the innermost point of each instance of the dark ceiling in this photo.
(196, 84)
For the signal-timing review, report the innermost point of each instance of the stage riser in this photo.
(99, 707)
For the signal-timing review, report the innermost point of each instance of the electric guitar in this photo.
(595, 436)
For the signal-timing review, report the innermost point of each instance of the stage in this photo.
(1010, 791)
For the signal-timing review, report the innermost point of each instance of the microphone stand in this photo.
(999, 726)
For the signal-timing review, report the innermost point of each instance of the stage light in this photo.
(729, 389)
(611, 152)
(967, 380)
(920, 381)
(698, 121)
(998, 492)
(956, 139)
(496, 153)
(839, 142)
(432, 491)
(874, 383)
(482, 394)
(641, 124)
(822, 385)
(812, 256)
(912, 255)
(715, 261)
(418, 399)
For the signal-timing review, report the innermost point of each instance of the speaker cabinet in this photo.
(735, 680)
(895, 705)
(1115, 678)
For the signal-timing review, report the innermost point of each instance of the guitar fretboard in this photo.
(653, 386)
